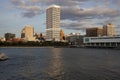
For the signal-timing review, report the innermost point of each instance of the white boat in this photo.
(3, 57)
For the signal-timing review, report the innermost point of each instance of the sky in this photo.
(76, 15)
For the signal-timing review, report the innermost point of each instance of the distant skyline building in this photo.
(27, 33)
(62, 35)
(94, 32)
(73, 38)
(108, 30)
(53, 23)
(9, 36)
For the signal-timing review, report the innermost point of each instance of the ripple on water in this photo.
(60, 64)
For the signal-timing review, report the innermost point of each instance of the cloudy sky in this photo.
(76, 15)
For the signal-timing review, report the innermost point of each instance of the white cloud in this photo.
(94, 12)
(76, 25)
(27, 10)
(73, 16)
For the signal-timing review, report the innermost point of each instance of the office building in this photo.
(94, 32)
(108, 30)
(27, 33)
(53, 23)
(73, 38)
(9, 36)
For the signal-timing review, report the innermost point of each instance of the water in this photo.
(60, 64)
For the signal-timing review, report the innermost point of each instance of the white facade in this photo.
(53, 23)
(102, 41)
(53, 34)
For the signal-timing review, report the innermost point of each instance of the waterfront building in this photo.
(108, 30)
(73, 38)
(27, 33)
(94, 32)
(53, 23)
(2, 39)
(9, 36)
(62, 35)
(104, 41)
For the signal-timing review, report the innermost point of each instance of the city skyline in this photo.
(75, 15)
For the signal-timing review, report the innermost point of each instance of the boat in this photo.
(3, 57)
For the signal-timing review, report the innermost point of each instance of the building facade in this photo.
(27, 33)
(74, 38)
(105, 41)
(62, 35)
(9, 36)
(94, 32)
(53, 23)
(108, 30)
(2, 39)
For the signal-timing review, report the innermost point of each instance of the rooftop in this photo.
(28, 26)
(57, 6)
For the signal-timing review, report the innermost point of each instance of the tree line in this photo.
(36, 44)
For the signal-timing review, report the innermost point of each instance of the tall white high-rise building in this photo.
(53, 23)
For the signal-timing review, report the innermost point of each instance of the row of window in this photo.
(106, 38)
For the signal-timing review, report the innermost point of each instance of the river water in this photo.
(60, 64)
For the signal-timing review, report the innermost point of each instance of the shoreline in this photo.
(25, 47)
(56, 47)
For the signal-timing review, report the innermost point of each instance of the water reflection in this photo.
(55, 69)
(60, 64)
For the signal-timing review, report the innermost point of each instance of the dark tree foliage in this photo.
(32, 44)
